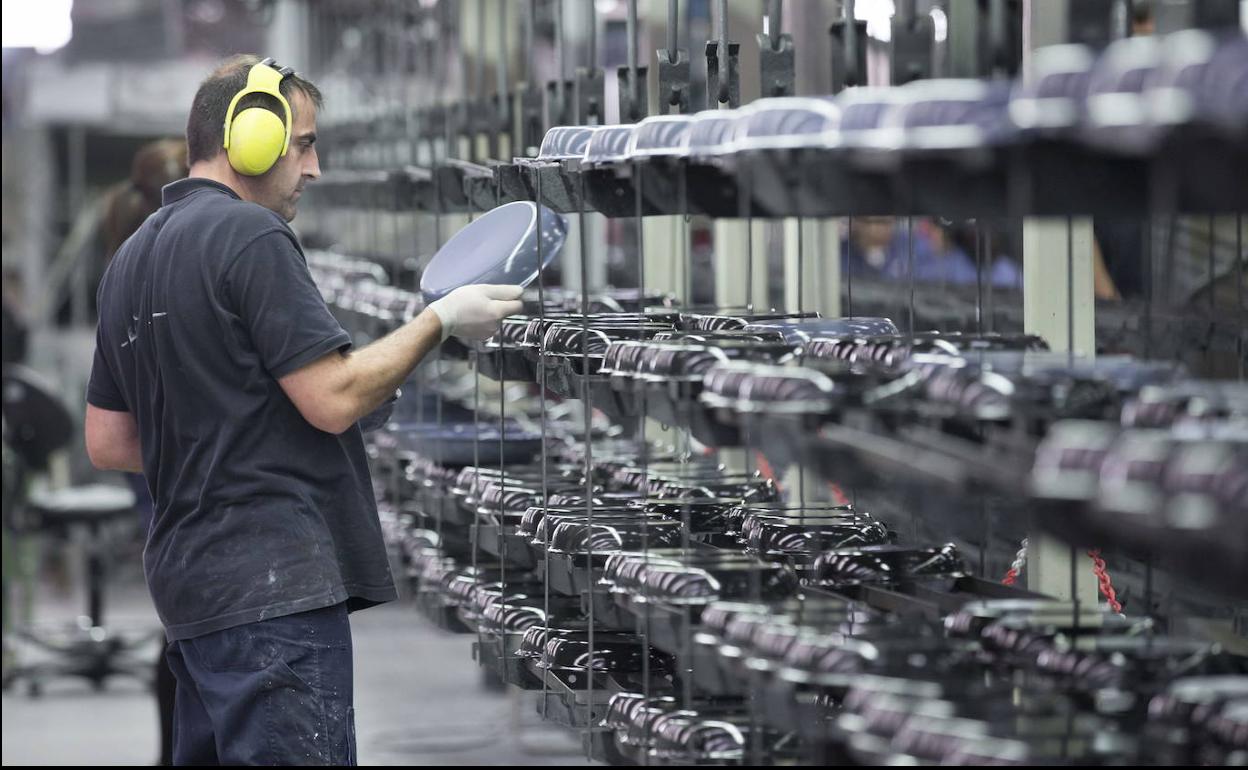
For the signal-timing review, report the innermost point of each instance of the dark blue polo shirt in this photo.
(257, 513)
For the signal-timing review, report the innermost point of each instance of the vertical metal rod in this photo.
(746, 205)
(910, 271)
(1148, 589)
(985, 523)
(541, 304)
(530, 43)
(1213, 234)
(801, 267)
(541, 390)
(775, 10)
(673, 37)
(801, 307)
(561, 59)
(591, 36)
(979, 278)
(501, 68)
(645, 621)
(686, 526)
(722, 32)
(686, 262)
(990, 304)
(1240, 258)
(1146, 271)
(461, 40)
(479, 86)
(502, 468)
(849, 270)
(476, 513)
(436, 369)
(1070, 317)
(589, 443)
(1074, 590)
(852, 76)
(632, 60)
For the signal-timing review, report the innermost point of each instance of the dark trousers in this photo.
(274, 692)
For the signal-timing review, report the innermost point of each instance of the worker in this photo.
(220, 374)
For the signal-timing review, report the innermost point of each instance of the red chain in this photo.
(1011, 577)
(1102, 577)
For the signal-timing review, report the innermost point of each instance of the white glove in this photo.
(473, 312)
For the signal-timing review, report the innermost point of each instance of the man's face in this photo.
(279, 190)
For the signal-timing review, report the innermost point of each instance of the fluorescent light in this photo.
(44, 25)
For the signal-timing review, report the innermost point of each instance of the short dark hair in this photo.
(206, 125)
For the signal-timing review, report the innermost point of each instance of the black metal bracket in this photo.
(458, 125)
(431, 128)
(914, 40)
(777, 66)
(532, 127)
(632, 111)
(845, 71)
(502, 126)
(559, 102)
(483, 122)
(712, 75)
(673, 81)
(589, 97)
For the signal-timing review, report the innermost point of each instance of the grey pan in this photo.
(501, 247)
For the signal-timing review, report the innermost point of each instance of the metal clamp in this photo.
(532, 126)
(674, 66)
(634, 96)
(777, 65)
(712, 75)
(914, 41)
(633, 110)
(775, 54)
(559, 103)
(673, 81)
(849, 55)
(589, 96)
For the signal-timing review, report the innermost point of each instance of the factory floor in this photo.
(418, 700)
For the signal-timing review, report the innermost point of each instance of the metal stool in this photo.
(88, 648)
(36, 424)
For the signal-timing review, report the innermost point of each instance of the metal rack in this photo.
(482, 545)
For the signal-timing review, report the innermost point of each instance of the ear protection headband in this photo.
(256, 137)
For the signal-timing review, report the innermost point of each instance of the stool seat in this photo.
(85, 504)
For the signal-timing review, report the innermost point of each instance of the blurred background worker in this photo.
(881, 247)
(126, 206)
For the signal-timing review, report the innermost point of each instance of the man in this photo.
(220, 375)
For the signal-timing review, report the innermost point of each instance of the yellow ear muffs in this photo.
(256, 137)
(259, 140)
